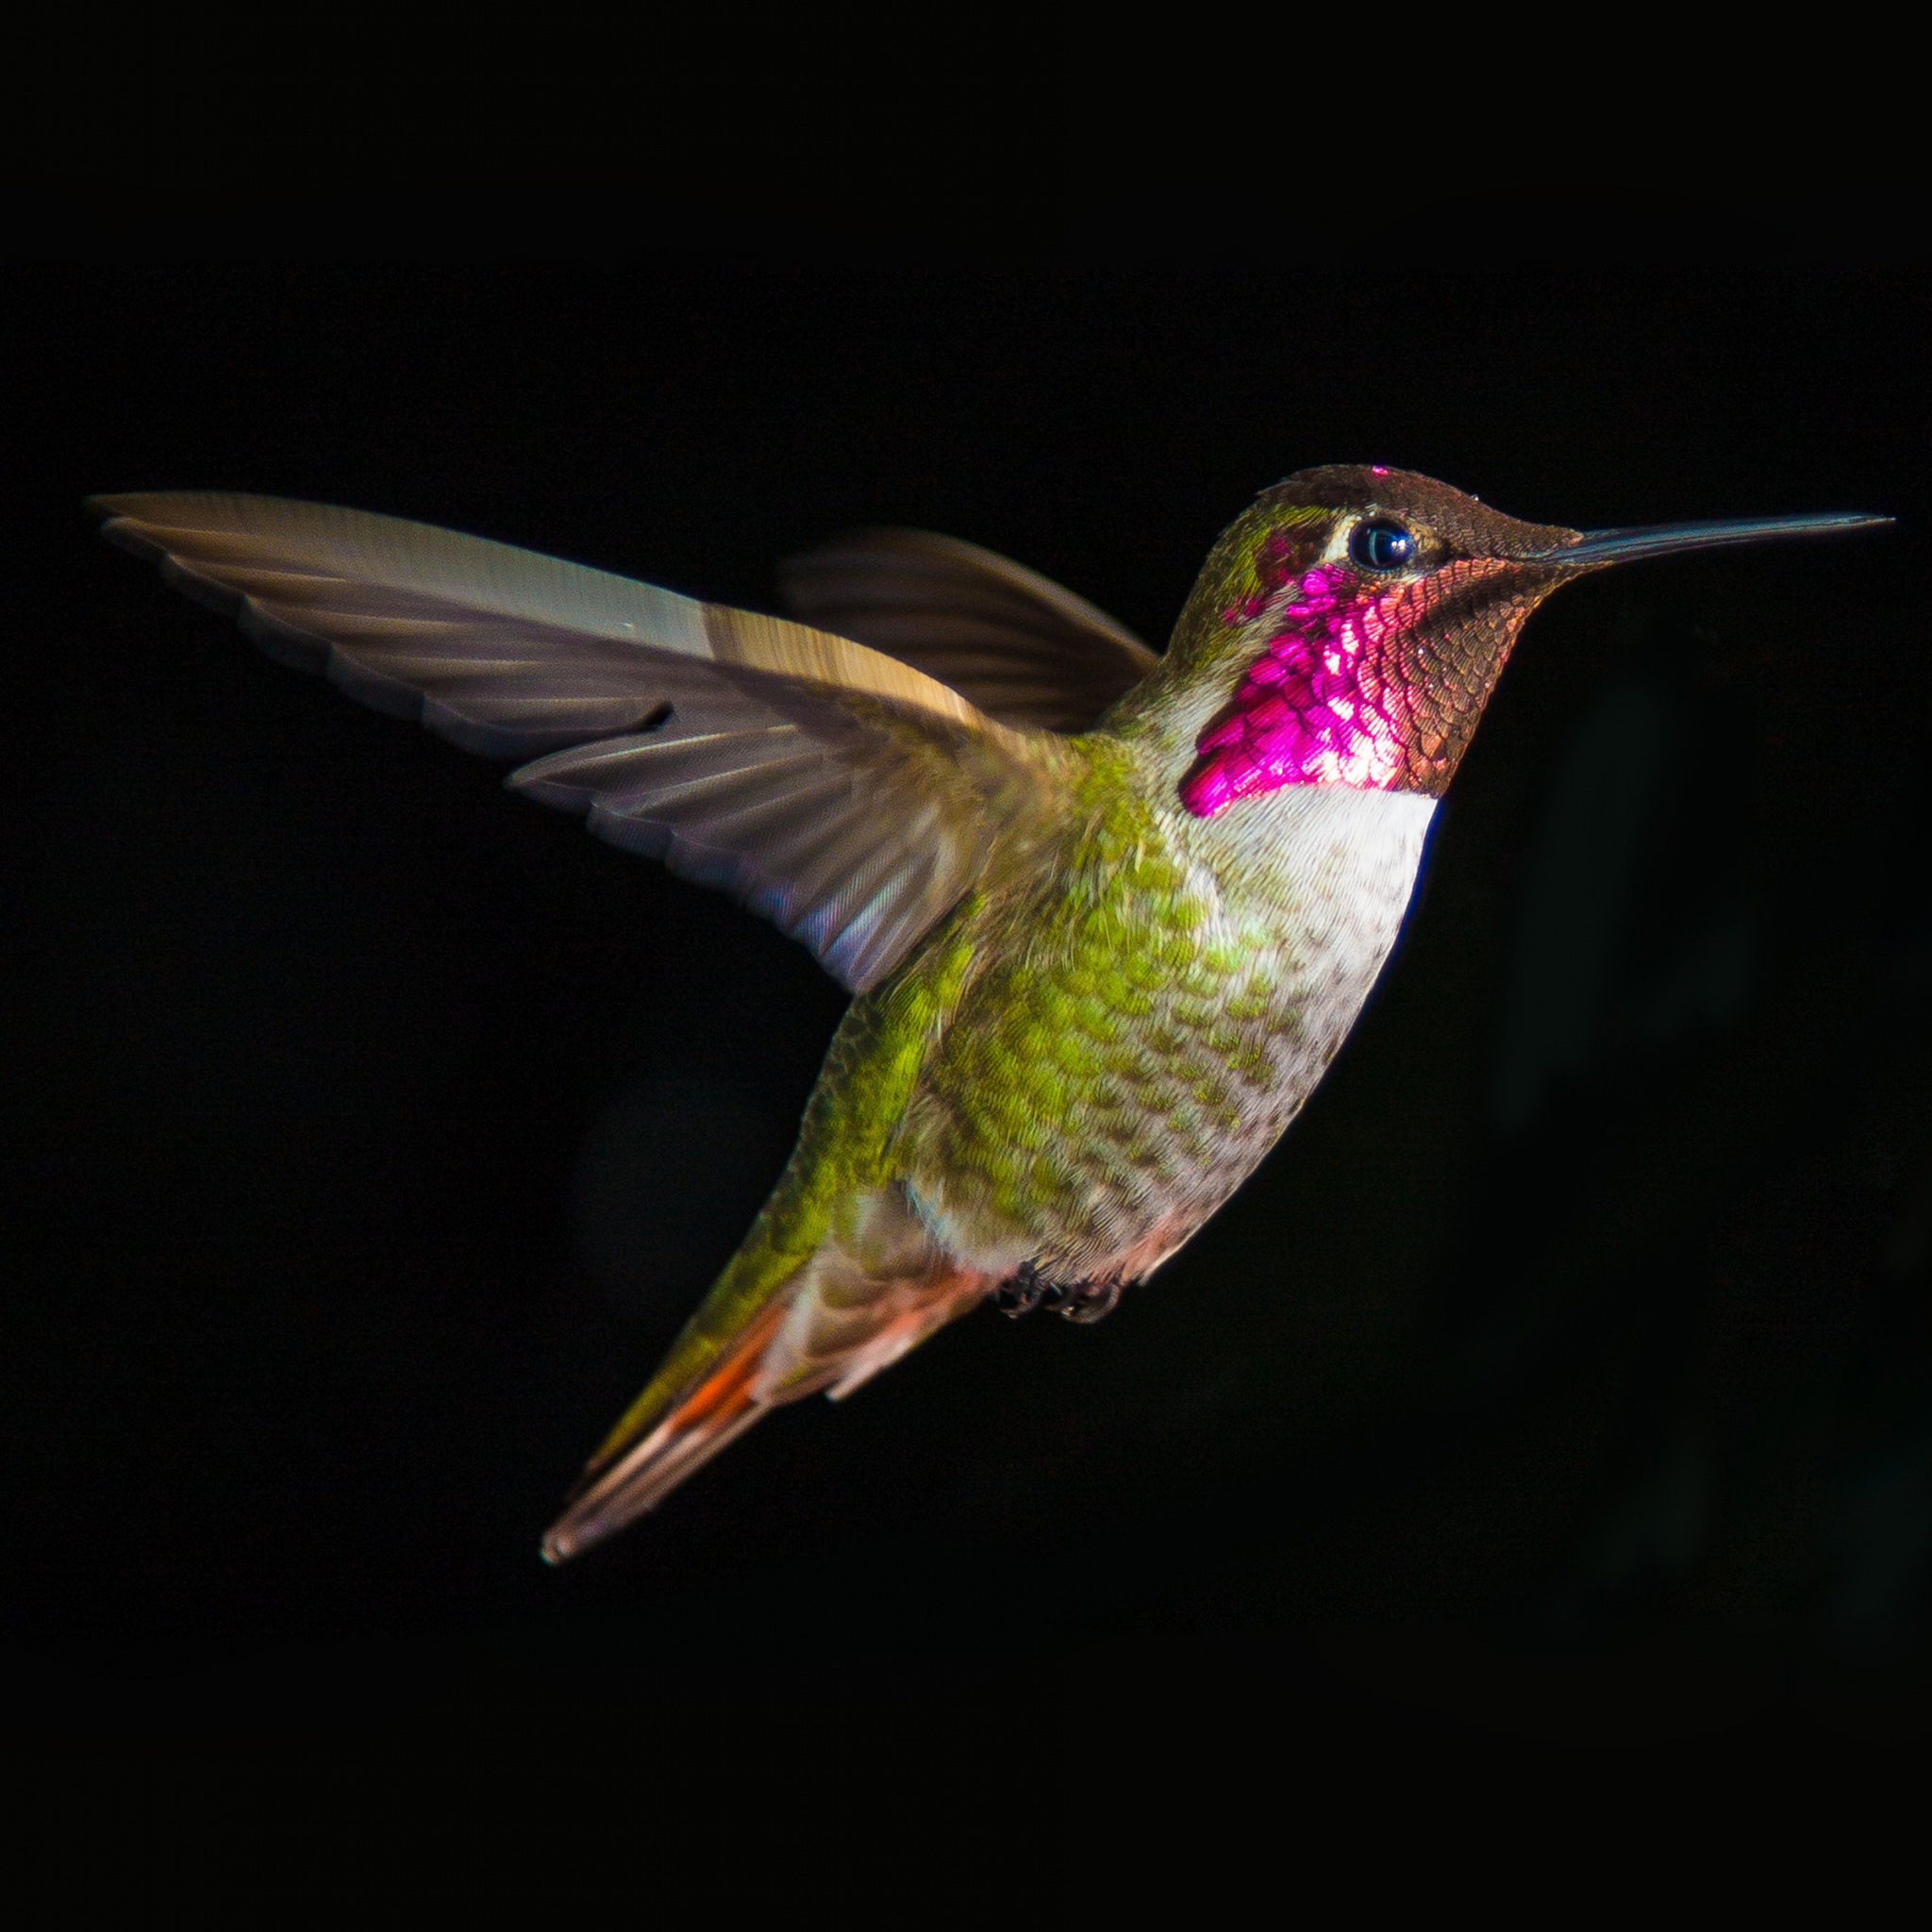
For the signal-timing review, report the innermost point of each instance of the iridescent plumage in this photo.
(1107, 915)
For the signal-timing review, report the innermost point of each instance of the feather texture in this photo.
(846, 794)
(851, 1311)
(1025, 650)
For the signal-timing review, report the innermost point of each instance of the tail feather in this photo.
(633, 1473)
(824, 1330)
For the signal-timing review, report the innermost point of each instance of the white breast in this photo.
(1312, 884)
(1329, 867)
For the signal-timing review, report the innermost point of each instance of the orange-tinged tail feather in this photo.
(859, 1304)
(629, 1477)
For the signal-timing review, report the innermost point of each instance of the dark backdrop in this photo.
(369, 1131)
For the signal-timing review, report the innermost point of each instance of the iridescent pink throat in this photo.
(1301, 716)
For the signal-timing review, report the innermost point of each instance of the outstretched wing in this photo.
(1026, 651)
(846, 794)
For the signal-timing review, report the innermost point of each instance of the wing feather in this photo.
(1023, 648)
(846, 794)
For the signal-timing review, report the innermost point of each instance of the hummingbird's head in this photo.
(1349, 628)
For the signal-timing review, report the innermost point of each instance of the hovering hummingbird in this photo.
(1107, 915)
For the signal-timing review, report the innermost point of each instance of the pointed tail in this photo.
(634, 1472)
(831, 1326)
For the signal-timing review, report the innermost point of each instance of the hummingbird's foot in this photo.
(1028, 1289)
(1091, 1301)
(1022, 1291)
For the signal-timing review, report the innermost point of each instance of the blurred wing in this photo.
(846, 795)
(1026, 651)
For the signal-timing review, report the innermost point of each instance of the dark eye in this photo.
(1381, 543)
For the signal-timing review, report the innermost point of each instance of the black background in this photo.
(368, 1131)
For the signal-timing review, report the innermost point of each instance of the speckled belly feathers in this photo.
(1142, 1026)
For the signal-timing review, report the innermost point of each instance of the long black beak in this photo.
(1667, 540)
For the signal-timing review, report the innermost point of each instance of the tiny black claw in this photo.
(1091, 1301)
(1021, 1293)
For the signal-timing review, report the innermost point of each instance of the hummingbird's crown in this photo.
(1457, 522)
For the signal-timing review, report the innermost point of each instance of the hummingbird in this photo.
(1106, 914)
